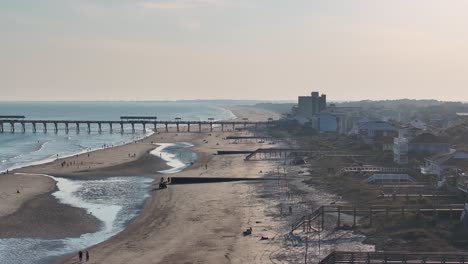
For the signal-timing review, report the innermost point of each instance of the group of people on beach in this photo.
(80, 255)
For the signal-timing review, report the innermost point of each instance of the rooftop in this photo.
(429, 138)
(377, 125)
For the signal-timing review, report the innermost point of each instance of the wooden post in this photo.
(339, 216)
(307, 247)
(354, 216)
(323, 217)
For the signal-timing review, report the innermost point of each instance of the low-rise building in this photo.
(372, 130)
(384, 143)
(435, 165)
(429, 143)
(326, 122)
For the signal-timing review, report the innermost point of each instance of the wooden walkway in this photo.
(396, 257)
(371, 168)
(285, 153)
(414, 190)
(462, 187)
(315, 221)
(239, 139)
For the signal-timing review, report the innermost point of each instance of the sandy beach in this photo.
(197, 223)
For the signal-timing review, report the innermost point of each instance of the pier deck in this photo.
(33, 125)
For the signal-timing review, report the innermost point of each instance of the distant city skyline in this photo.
(233, 49)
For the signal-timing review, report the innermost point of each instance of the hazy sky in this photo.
(233, 49)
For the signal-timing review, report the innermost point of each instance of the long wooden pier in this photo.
(22, 125)
(396, 257)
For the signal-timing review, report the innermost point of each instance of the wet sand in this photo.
(45, 217)
(198, 223)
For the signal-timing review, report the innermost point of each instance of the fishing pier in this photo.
(14, 124)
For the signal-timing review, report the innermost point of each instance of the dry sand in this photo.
(29, 186)
(198, 223)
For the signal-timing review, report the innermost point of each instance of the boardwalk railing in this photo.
(396, 257)
(284, 153)
(318, 215)
(372, 169)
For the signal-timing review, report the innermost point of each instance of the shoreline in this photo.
(38, 219)
(98, 169)
(144, 135)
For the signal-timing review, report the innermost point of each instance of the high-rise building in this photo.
(308, 106)
(323, 102)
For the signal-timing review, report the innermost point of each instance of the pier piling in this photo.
(24, 124)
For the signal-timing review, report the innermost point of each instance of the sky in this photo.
(233, 49)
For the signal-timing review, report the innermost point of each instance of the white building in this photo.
(400, 150)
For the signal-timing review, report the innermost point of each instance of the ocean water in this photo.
(113, 201)
(18, 149)
(178, 155)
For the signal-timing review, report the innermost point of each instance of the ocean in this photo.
(19, 150)
(113, 201)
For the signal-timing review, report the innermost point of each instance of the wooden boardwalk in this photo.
(396, 257)
(372, 168)
(285, 153)
(238, 139)
(315, 221)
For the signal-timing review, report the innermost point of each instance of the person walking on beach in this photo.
(80, 255)
(87, 255)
